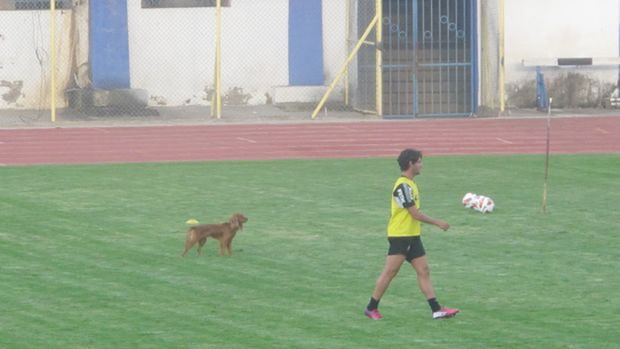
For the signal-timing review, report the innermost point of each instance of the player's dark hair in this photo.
(407, 157)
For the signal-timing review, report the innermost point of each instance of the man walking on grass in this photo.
(404, 238)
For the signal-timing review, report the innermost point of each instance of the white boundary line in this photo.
(246, 140)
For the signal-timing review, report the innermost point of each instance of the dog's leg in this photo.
(229, 247)
(223, 247)
(189, 242)
(201, 243)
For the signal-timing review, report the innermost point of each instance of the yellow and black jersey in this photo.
(405, 194)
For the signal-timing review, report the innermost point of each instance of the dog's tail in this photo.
(189, 240)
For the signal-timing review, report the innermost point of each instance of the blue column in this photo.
(305, 43)
(109, 44)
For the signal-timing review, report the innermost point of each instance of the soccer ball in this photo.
(469, 200)
(485, 204)
(479, 203)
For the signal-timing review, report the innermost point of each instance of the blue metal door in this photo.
(429, 56)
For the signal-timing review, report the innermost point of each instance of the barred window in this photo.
(34, 4)
(182, 3)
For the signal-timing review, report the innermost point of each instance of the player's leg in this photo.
(419, 262)
(397, 253)
(391, 268)
(423, 272)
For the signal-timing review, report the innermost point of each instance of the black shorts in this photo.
(409, 246)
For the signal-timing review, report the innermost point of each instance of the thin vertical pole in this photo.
(394, 57)
(53, 59)
(431, 44)
(544, 203)
(440, 43)
(379, 58)
(474, 56)
(408, 14)
(460, 19)
(347, 38)
(464, 57)
(448, 69)
(502, 88)
(218, 58)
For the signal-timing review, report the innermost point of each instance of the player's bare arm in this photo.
(417, 214)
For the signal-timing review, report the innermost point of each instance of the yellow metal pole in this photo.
(379, 58)
(213, 96)
(348, 34)
(218, 58)
(331, 87)
(53, 59)
(502, 76)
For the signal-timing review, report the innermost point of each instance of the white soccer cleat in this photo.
(445, 313)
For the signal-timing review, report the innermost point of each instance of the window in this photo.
(33, 4)
(182, 3)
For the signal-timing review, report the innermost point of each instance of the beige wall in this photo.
(560, 28)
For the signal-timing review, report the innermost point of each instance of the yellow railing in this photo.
(344, 68)
(377, 24)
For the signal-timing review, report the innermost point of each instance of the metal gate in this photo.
(429, 57)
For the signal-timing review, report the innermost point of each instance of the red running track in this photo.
(306, 140)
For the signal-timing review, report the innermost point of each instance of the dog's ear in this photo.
(238, 219)
(234, 221)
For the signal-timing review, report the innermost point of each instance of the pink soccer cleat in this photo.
(445, 313)
(373, 314)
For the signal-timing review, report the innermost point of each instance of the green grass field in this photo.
(90, 255)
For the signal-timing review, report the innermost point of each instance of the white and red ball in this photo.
(469, 200)
(479, 203)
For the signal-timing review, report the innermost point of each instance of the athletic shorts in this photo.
(409, 246)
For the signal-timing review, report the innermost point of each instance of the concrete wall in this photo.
(559, 28)
(25, 55)
(334, 37)
(172, 50)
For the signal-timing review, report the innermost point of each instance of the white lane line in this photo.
(246, 140)
(503, 140)
(600, 130)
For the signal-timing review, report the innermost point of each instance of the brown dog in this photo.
(224, 232)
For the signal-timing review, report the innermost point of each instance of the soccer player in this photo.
(404, 238)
